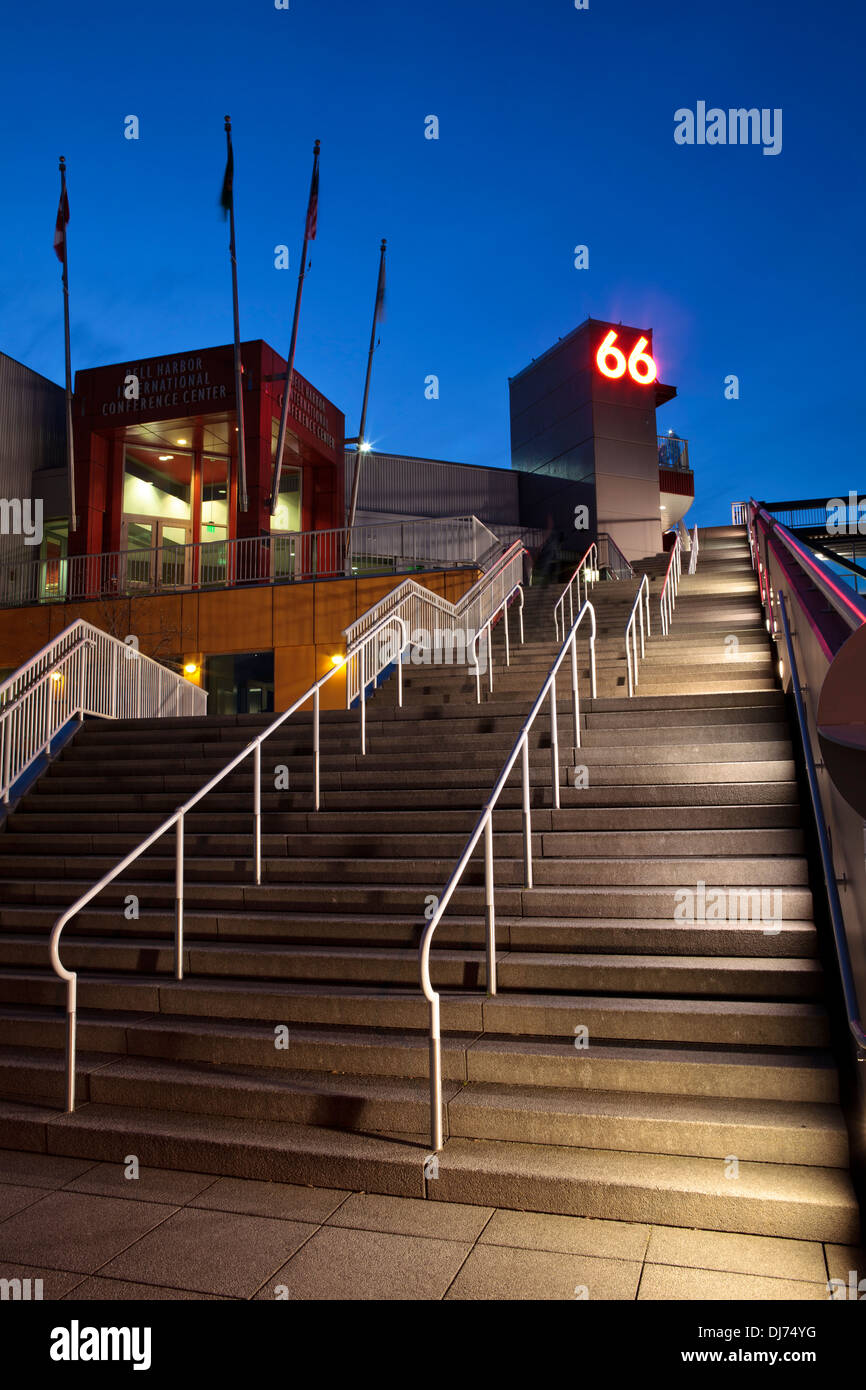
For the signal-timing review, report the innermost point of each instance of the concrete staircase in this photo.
(705, 1095)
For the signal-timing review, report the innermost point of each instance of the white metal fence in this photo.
(83, 671)
(434, 543)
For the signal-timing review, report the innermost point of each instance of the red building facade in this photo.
(156, 452)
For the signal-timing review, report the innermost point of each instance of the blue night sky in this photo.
(556, 128)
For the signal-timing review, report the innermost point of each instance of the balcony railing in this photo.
(392, 547)
(673, 452)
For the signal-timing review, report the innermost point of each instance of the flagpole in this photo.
(70, 454)
(359, 447)
(243, 500)
(290, 366)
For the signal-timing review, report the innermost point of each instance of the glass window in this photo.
(287, 517)
(214, 498)
(157, 482)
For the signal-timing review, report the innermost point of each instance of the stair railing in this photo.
(374, 654)
(484, 826)
(670, 587)
(693, 553)
(642, 601)
(84, 670)
(586, 566)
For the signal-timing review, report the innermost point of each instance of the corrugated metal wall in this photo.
(32, 437)
(397, 485)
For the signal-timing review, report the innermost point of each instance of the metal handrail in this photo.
(668, 595)
(693, 553)
(484, 826)
(473, 613)
(590, 577)
(611, 557)
(637, 608)
(177, 819)
(488, 628)
(848, 604)
(84, 670)
(849, 991)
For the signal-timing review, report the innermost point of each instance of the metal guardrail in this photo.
(739, 513)
(484, 826)
(670, 587)
(673, 452)
(82, 671)
(380, 644)
(851, 608)
(590, 574)
(631, 659)
(436, 543)
(177, 819)
(427, 614)
(611, 558)
(694, 551)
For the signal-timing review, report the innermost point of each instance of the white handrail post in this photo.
(520, 591)
(527, 816)
(435, 1076)
(489, 908)
(507, 647)
(489, 655)
(642, 643)
(575, 699)
(362, 667)
(71, 1028)
(554, 745)
(316, 750)
(592, 680)
(257, 812)
(178, 900)
(113, 682)
(648, 625)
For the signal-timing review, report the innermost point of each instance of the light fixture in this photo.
(782, 669)
(56, 677)
(164, 458)
(337, 660)
(190, 668)
(181, 441)
(364, 448)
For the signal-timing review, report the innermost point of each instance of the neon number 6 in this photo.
(641, 366)
(606, 351)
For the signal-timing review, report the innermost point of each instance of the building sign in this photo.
(164, 384)
(612, 362)
(309, 409)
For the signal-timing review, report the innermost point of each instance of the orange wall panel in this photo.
(23, 632)
(236, 620)
(294, 614)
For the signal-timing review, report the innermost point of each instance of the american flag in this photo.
(313, 205)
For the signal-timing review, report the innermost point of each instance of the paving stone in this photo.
(55, 1282)
(409, 1216)
(568, 1235)
(504, 1273)
(14, 1198)
(151, 1185)
(736, 1254)
(121, 1291)
(214, 1252)
(666, 1282)
(281, 1199)
(40, 1170)
(77, 1231)
(342, 1264)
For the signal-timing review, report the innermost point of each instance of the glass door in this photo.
(157, 554)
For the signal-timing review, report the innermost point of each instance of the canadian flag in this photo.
(60, 227)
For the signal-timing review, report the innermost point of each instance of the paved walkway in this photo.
(89, 1232)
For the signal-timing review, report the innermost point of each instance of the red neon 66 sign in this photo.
(612, 361)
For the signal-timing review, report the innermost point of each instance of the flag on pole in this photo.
(313, 204)
(228, 182)
(60, 226)
(380, 292)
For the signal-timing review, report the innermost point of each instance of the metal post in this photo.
(592, 683)
(362, 667)
(554, 745)
(507, 647)
(520, 590)
(489, 657)
(178, 901)
(71, 1017)
(489, 910)
(642, 645)
(527, 816)
(257, 811)
(435, 1077)
(575, 701)
(316, 750)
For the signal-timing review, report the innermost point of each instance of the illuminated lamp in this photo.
(190, 668)
(337, 660)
